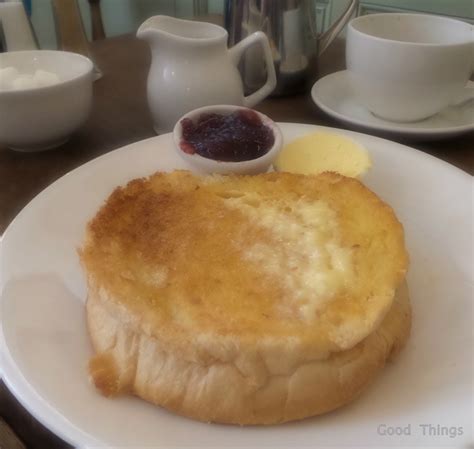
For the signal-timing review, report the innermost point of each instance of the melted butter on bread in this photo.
(308, 257)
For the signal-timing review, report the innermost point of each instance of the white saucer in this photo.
(334, 95)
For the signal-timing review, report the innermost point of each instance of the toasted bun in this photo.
(244, 299)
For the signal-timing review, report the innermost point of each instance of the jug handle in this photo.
(236, 53)
(325, 39)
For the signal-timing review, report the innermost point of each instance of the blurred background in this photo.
(124, 16)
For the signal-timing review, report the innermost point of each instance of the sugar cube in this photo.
(44, 78)
(24, 82)
(7, 77)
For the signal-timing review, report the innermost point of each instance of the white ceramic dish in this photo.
(41, 118)
(334, 95)
(45, 345)
(206, 165)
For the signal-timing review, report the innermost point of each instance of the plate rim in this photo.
(396, 128)
(51, 422)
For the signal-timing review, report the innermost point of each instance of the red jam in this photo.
(240, 136)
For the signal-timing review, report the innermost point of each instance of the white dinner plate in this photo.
(426, 395)
(334, 95)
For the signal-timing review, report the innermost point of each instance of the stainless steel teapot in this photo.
(291, 28)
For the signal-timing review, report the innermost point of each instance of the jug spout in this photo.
(186, 32)
(148, 29)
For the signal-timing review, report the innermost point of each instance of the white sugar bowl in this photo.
(44, 97)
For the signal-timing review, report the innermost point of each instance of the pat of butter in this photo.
(319, 152)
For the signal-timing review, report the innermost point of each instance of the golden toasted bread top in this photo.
(279, 255)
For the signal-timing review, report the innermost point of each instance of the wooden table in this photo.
(120, 116)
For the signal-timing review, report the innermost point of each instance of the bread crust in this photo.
(246, 390)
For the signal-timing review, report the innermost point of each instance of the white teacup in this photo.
(407, 67)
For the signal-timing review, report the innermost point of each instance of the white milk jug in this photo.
(192, 67)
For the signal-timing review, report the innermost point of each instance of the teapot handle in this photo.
(328, 36)
(236, 53)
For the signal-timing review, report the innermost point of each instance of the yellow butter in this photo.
(322, 151)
